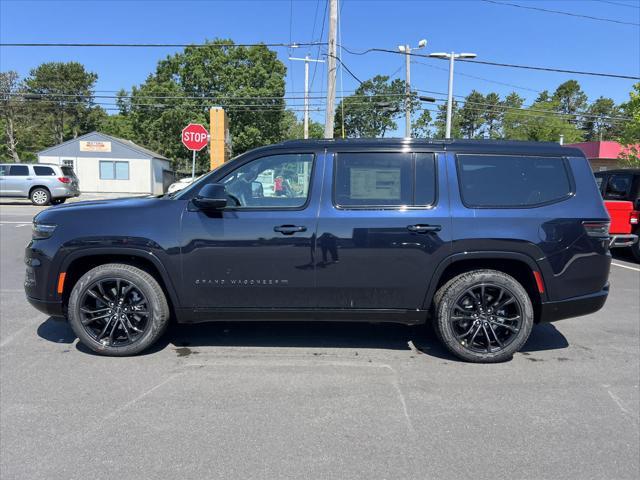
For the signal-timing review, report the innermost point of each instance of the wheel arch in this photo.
(39, 186)
(80, 262)
(518, 265)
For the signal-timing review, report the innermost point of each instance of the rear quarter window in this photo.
(44, 171)
(510, 181)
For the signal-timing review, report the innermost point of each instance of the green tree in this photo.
(421, 128)
(492, 115)
(540, 123)
(247, 81)
(293, 129)
(371, 110)
(471, 114)
(570, 98)
(598, 124)
(630, 135)
(9, 91)
(441, 121)
(64, 96)
(509, 117)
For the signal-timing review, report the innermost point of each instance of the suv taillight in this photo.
(64, 179)
(634, 217)
(596, 229)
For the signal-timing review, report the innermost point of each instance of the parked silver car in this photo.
(42, 183)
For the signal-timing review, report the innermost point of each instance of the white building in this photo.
(107, 164)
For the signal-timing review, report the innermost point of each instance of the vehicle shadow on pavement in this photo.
(313, 335)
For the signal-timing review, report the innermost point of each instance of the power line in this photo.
(479, 78)
(618, 3)
(510, 65)
(318, 44)
(315, 66)
(162, 45)
(558, 12)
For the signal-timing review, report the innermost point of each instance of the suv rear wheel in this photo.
(118, 310)
(483, 316)
(40, 196)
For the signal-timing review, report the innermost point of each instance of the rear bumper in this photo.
(51, 308)
(625, 240)
(573, 307)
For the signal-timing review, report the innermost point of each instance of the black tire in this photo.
(58, 201)
(499, 334)
(155, 321)
(40, 196)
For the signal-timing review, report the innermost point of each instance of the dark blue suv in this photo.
(483, 238)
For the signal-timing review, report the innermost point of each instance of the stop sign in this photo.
(195, 136)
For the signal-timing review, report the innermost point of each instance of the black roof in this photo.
(475, 146)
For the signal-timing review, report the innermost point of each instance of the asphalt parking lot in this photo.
(315, 400)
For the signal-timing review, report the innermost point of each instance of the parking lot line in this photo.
(625, 266)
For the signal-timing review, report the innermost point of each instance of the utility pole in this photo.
(306, 61)
(406, 49)
(451, 57)
(331, 70)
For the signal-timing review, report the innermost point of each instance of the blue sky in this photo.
(496, 33)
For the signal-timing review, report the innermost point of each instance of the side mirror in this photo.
(211, 197)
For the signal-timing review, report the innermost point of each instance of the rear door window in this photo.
(512, 181)
(373, 179)
(68, 172)
(618, 187)
(44, 171)
(19, 171)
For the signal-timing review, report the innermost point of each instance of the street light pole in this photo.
(306, 61)
(407, 91)
(451, 57)
(450, 97)
(406, 49)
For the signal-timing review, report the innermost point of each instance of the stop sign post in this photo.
(195, 137)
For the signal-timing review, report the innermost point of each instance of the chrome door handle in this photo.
(424, 228)
(289, 229)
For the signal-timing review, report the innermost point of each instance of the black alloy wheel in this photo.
(486, 318)
(114, 312)
(118, 310)
(483, 316)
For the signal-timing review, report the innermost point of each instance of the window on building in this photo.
(384, 179)
(512, 181)
(44, 171)
(19, 171)
(114, 170)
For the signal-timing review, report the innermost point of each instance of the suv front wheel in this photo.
(483, 316)
(118, 310)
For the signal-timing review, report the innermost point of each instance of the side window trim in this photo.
(565, 165)
(304, 206)
(413, 206)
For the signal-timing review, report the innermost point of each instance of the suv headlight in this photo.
(42, 230)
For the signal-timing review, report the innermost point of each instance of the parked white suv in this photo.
(42, 183)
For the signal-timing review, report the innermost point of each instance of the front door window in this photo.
(276, 181)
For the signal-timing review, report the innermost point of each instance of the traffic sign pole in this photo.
(193, 167)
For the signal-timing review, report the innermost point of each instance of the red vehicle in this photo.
(621, 193)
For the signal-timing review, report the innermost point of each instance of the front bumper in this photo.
(51, 308)
(573, 307)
